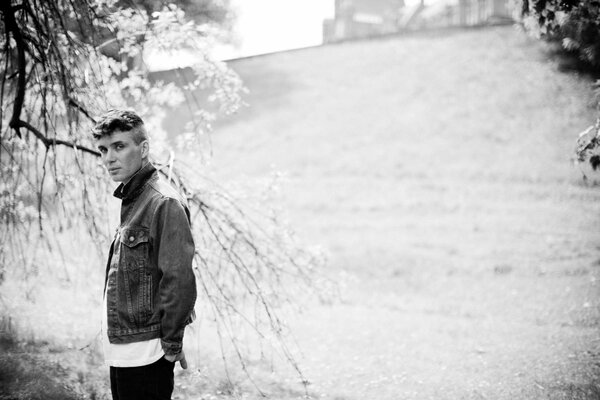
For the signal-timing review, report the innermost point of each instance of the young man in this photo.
(150, 288)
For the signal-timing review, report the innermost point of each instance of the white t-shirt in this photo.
(129, 354)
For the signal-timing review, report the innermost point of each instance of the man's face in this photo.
(121, 156)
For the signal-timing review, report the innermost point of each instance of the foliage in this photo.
(575, 23)
(64, 62)
(200, 11)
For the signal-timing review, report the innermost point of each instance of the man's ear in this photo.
(145, 149)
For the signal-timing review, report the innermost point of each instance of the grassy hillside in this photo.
(435, 171)
(408, 136)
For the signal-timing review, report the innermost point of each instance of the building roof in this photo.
(375, 6)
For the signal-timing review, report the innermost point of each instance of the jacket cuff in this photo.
(171, 348)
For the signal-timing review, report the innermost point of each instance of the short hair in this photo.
(120, 120)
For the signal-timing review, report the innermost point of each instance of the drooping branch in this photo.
(48, 142)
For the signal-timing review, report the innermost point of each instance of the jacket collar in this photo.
(134, 186)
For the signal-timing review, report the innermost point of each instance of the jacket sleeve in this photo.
(174, 248)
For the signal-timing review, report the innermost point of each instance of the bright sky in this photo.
(262, 26)
(265, 26)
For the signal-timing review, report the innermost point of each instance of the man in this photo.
(150, 288)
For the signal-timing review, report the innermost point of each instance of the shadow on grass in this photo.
(24, 377)
(574, 391)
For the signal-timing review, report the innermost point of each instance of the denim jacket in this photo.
(150, 284)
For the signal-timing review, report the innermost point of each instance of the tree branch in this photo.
(54, 142)
(11, 26)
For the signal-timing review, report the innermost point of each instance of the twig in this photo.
(82, 109)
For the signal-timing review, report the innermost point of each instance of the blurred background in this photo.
(418, 161)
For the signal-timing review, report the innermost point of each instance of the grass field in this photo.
(434, 171)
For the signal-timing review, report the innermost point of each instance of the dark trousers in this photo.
(148, 382)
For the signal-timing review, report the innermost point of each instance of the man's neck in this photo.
(131, 186)
(125, 183)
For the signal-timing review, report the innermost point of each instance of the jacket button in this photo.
(131, 238)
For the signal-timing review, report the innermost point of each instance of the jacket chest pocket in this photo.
(135, 246)
(137, 275)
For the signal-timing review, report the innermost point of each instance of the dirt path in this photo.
(434, 169)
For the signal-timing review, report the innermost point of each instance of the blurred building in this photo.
(365, 18)
(464, 13)
(362, 18)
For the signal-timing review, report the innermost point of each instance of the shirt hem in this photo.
(134, 363)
